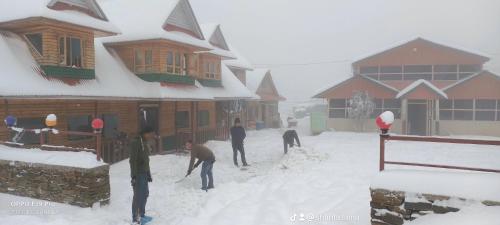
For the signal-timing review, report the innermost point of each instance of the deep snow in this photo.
(327, 181)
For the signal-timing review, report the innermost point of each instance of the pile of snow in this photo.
(469, 185)
(59, 158)
(474, 214)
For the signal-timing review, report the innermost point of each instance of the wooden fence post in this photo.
(382, 152)
(98, 145)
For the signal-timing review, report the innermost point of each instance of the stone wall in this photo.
(75, 186)
(396, 207)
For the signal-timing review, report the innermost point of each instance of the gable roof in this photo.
(256, 78)
(465, 80)
(150, 20)
(381, 84)
(240, 62)
(419, 83)
(480, 56)
(29, 83)
(216, 40)
(16, 11)
(89, 5)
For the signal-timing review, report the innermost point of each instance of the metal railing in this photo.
(387, 137)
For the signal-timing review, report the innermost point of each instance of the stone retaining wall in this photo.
(395, 207)
(75, 186)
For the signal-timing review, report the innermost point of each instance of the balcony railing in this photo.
(68, 72)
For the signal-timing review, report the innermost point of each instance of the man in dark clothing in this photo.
(205, 155)
(140, 148)
(237, 136)
(288, 139)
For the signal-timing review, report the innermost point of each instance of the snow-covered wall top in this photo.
(69, 159)
(469, 185)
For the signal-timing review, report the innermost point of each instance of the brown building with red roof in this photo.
(432, 89)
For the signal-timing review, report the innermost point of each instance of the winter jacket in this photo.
(201, 153)
(238, 134)
(139, 156)
(290, 136)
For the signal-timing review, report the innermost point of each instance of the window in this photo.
(111, 122)
(70, 51)
(81, 124)
(203, 118)
(418, 76)
(182, 119)
(463, 109)
(485, 110)
(30, 138)
(418, 69)
(36, 42)
(391, 76)
(177, 68)
(368, 70)
(143, 60)
(446, 109)
(445, 68)
(211, 70)
(382, 105)
(337, 108)
(170, 62)
(469, 68)
(391, 69)
(445, 76)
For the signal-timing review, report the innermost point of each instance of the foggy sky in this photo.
(302, 31)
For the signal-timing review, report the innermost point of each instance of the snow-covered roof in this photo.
(25, 9)
(327, 89)
(216, 40)
(401, 43)
(240, 62)
(109, 68)
(232, 87)
(146, 20)
(418, 83)
(254, 79)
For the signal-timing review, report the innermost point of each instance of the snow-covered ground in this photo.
(327, 180)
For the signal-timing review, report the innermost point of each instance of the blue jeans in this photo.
(206, 171)
(141, 193)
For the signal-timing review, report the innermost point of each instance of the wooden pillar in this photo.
(382, 152)
(159, 142)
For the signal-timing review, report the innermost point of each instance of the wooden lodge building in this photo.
(433, 89)
(131, 63)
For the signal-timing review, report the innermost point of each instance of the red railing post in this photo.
(98, 144)
(382, 152)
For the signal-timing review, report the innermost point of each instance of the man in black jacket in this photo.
(237, 136)
(140, 148)
(288, 139)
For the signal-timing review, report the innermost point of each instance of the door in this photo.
(417, 119)
(148, 116)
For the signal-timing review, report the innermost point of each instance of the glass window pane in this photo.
(463, 104)
(445, 114)
(392, 103)
(417, 68)
(111, 122)
(485, 115)
(203, 118)
(337, 113)
(445, 68)
(182, 119)
(177, 59)
(79, 123)
(418, 76)
(391, 69)
(445, 76)
(76, 52)
(378, 103)
(170, 58)
(485, 104)
(36, 41)
(445, 104)
(139, 59)
(470, 68)
(337, 103)
(373, 76)
(391, 76)
(148, 58)
(368, 69)
(462, 114)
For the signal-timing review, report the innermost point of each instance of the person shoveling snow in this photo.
(205, 155)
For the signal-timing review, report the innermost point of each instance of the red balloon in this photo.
(97, 123)
(381, 124)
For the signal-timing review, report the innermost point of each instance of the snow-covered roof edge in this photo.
(327, 89)
(416, 84)
(469, 78)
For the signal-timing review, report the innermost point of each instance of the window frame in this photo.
(88, 128)
(202, 115)
(186, 123)
(66, 52)
(332, 108)
(38, 51)
(144, 54)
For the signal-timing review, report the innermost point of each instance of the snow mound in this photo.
(469, 185)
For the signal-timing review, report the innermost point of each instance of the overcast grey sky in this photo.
(303, 31)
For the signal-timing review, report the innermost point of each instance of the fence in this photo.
(387, 137)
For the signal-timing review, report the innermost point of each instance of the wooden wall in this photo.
(210, 107)
(167, 118)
